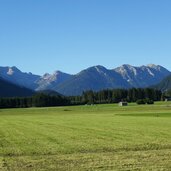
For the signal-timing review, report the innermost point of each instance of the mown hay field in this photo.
(97, 137)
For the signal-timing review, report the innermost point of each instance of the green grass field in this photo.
(99, 137)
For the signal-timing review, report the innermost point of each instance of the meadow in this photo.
(98, 137)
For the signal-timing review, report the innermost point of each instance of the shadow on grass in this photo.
(147, 115)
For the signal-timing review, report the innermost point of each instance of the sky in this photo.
(41, 36)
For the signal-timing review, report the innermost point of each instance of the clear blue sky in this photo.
(70, 35)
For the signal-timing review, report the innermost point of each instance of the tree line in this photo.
(117, 95)
(87, 97)
(38, 100)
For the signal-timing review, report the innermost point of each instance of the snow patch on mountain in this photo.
(10, 71)
(149, 71)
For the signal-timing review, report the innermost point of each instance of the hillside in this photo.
(165, 84)
(8, 89)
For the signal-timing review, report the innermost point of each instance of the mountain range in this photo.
(93, 78)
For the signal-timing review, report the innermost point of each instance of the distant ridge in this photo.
(49, 92)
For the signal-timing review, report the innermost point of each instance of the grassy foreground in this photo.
(99, 137)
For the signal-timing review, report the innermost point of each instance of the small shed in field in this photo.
(123, 104)
(167, 99)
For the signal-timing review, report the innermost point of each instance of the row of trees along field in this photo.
(88, 97)
(38, 100)
(117, 95)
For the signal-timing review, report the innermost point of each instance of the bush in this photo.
(149, 101)
(141, 101)
(144, 101)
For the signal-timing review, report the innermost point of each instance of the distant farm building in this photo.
(167, 99)
(123, 104)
